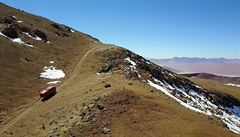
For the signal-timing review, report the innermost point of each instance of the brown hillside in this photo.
(20, 66)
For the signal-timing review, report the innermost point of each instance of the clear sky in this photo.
(151, 28)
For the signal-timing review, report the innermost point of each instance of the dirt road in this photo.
(38, 102)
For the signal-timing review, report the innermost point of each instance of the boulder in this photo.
(56, 26)
(130, 73)
(107, 85)
(40, 34)
(104, 69)
(8, 20)
(105, 130)
(10, 32)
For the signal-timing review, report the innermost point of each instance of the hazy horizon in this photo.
(154, 29)
(197, 57)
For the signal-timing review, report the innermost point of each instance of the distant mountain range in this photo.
(217, 66)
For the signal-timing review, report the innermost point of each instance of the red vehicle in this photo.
(48, 92)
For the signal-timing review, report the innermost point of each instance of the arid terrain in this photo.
(106, 91)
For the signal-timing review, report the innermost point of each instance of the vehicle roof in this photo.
(47, 89)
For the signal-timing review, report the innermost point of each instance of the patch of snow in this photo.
(199, 103)
(16, 40)
(181, 90)
(48, 41)
(234, 85)
(52, 73)
(171, 75)
(19, 21)
(165, 91)
(102, 74)
(27, 34)
(198, 87)
(168, 85)
(51, 62)
(2, 34)
(19, 41)
(14, 17)
(35, 38)
(231, 121)
(29, 45)
(53, 82)
(133, 64)
(72, 31)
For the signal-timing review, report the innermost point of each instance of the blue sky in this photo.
(151, 28)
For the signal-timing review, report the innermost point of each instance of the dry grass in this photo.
(21, 66)
(215, 86)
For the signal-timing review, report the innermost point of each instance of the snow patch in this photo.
(16, 40)
(53, 82)
(172, 75)
(234, 85)
(133, 64)
(198, 87)
(148, 62)
(166, 92)
(72, 31)
(51, 62)
(199, 103)
(52, 73)
(19, 41)
(19, 21)
(35, 38)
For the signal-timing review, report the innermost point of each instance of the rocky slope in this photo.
(186, 93)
